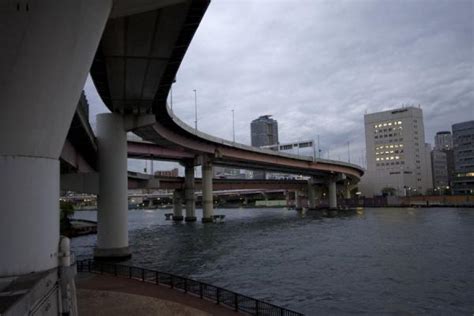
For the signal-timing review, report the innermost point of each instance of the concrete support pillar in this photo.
(311, 195)
(347, 191)
(112, 215)
(298, 201)
(318, 195)
(29, 215)
(46, 53)
(332, 194)
(177, 205)
(207, 201)
(189, 193)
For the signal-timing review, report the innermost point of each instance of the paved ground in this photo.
(108, 295)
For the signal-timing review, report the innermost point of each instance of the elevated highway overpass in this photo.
(133, 69)
(48, 48)
(133, 50)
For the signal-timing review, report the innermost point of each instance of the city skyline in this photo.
(343, 58)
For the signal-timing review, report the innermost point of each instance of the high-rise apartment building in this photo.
(442, 162)
(463, 145)
(443, 141)
(397, 156)
(264, 131)
(427, 171)
(439, 165)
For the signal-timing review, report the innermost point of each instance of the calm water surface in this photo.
(397, 261)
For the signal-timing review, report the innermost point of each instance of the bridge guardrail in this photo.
(238, 302)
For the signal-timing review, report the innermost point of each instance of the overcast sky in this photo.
(318, 66)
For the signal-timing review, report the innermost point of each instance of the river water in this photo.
(391, 260)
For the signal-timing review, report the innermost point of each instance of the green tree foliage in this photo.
(67, 211)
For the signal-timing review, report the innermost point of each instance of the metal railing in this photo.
(238, 302)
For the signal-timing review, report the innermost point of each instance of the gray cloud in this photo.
(318, 66)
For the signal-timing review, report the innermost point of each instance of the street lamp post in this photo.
(195, 111)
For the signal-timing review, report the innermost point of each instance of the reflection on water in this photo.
(373, 261)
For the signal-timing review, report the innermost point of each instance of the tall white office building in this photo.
(397, 157)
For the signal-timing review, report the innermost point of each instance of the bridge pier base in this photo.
(311, 195)
(347, 192)
(332, 194)
(298, 201)
(207, 200)
(177, 206)
(112, 215)
(189, 193)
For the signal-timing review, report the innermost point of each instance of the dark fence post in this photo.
(157, 277)
(200, 290)
(185, 285)
(236, 302)
(172, 282)
(256, 307)
(143, 274)
(218, 292)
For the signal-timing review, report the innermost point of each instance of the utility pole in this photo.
(195, 111)
(349, 151)
(233, 127)
(319, 149)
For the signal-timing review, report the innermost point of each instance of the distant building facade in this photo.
(443, 154)
(427, 171)
(439, 165)
(228, 173)
(167, 173)
(263, 132)
(397, 156)
(463, 146)
(443, 140)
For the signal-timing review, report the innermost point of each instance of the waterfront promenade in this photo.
(108, 295)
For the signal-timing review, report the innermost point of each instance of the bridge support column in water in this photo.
(112, 215)
(298, 201)
(311, 195)
(332, 193)
(189, 192)
(287, 198)
(207, 200)
(177, 205)
(347, 190)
